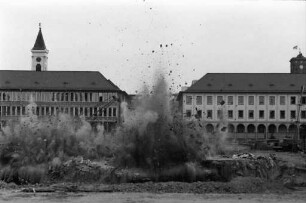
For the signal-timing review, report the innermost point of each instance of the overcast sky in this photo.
(122, 38)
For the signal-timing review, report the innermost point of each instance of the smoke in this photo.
(152, 135)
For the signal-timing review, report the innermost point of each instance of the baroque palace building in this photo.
(253, 105)
(78, 93)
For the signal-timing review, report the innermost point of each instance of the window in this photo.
(251, 114)
(199, 114)
(114, 112)
(90, 111)
(90, 97)
(81, 110)
(71, 97)
(251, 100)
(100, 97)
(188, 113)
(13, 110)
(303, 114)
(42, 111)
(292, 114)
(292, 100)
(76, 97)
(52, 110)
(76, 111)
(261, 114)
(271, 100)
(272, 114)
(209, 114)
(86, 97)
(261, 100)
(230, 100)
(18, 111)
(209, 100)
(282, 100)
(105, 112)
(199, 100)
(71, 111)
(219, 114)
(47, 110)
(230, 114)
(240, 100)
(188, 100)
(109, 112)
(282, 114)
(303, 100)
(23, 110)
(240, 114)
(219, 100)
(8, 110)
(66, 96)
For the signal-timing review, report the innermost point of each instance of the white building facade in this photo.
(254, 105)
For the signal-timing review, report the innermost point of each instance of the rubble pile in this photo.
(79, 170)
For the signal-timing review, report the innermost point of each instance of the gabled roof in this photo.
(39, 43)
(55, 80)
(248, 82)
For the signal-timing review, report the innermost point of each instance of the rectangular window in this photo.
(219, 114)
(209, 114)
(219, 100)
(8, 110)
(251, 100)
(230, 114)
(71, 97)
(86, 97)
(303, 114)
(18, 111)
(261, 100)
(90, 111)
(13, 110)
(282, 114)
(47, 110)
(52, 110)
(251, 114)
(292, 100)
(110, 112)
(240, 100)
(81, 97)
(209, 100)
(272, 100)
(114, 112)
(90, 97)
(104, 112)
(199, 100)
(292, 114)
(23, 110)
(76, 98)
(81, 110)
(188, 113)
(282, 100)
(66, 96)
(261, 114)
(303, 100)
(240, 114)
(188, 100)
(272, 114)
(42, 111)
(199, 114)
(76, 111)
(100, 97)
(230, 100)
(71, 111)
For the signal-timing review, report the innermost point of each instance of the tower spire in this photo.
(39, 53)
(39, 43)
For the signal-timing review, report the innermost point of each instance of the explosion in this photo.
(153, 136)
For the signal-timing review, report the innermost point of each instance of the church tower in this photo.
(298, 64)
(39, 53)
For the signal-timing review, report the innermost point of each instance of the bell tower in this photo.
(298, 64)
(39, 53)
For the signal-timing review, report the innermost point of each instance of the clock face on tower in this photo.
(38, 59)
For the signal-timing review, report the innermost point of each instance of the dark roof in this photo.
(39, 43)
(249, 82)
(299, 57)
(55, 80)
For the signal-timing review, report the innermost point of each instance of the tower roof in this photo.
(39, 43)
